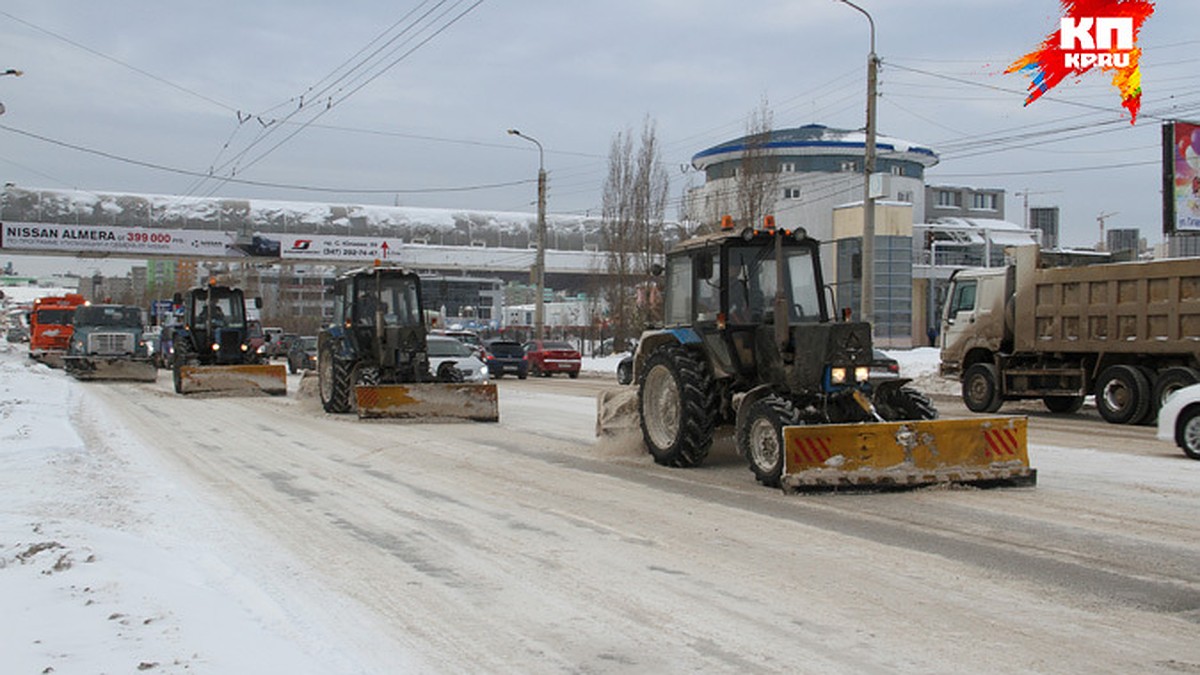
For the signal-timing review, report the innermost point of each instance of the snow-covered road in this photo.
(232, 535)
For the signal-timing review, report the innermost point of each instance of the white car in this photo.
(446, 349)
(1179, 420)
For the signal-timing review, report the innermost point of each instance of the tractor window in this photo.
(678, 310)
(752, 285)
(366, 305)
(399, 302)
(225, 312)
(708, 292)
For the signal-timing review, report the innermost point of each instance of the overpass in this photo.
(445, 241)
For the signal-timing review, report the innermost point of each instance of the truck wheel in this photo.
(897, 404)
(1187, 431)
(334, 378)
(1122, 395)
(1063, 404)
(1171, 381)
(760, 438)
(981, 389)
(677, 408)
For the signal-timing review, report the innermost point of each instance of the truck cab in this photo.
(974, 319)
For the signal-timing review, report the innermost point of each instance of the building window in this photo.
(848, 166)
(897, 171)
(949, 198)
(791, 193)
(905, 196)
(787, 167)
(983, 200)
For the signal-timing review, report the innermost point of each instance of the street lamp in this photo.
(539, 265)
(10, 71)
(868, 246)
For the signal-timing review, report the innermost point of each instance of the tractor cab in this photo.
(379, 311)
(754, 299)
(215, 317)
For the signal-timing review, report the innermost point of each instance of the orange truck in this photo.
(50, 327)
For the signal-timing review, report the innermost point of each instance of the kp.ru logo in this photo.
(1075, 34)
(1092, 34)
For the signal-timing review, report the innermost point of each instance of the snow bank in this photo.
(99, 570)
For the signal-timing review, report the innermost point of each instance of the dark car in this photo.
(883, 367)
(552, 356)
(302, 355)
(505, 357)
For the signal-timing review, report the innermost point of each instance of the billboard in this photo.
(1181, 177)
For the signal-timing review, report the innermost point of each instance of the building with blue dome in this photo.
(815, 181)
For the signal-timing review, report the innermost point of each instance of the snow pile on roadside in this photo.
(921, 364)
(98, 570)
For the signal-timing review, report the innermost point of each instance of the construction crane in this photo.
(1100, 219)
(1024, 195)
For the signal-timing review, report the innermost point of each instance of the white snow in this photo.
(109, 563)
(104, 563)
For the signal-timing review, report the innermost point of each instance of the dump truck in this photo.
(748, 342)
(373, 359)
(50, 327)
(1127, 332)
(211, 348)
(107, 344)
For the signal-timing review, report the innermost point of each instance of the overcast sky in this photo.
(141, 97)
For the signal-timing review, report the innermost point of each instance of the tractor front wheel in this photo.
(903, 403)
(182, 357)
(760, 438)
(677, 407)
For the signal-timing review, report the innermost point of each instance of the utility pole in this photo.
(539, 265)
(867, 309)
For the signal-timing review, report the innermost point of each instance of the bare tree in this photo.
(635, 201)
(758, 175)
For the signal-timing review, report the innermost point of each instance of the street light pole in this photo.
(867, 310)
(10, 71)
(539, 265)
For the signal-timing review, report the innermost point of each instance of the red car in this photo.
(549, 356)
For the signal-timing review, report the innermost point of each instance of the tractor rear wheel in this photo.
(760, 438)
(677, 407)
(335, 380)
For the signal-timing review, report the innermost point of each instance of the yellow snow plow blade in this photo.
(270, 379)
(459, 401)
(980, 451)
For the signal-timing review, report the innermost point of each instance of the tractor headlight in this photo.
(245, 347)
(837, 375)
(216, 347)
(861, 373)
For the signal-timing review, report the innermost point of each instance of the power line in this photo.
(119, 62)
(258, 183)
